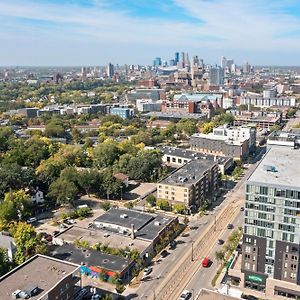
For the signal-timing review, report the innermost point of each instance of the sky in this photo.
(95, 32)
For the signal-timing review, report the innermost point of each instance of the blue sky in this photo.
(94, 32)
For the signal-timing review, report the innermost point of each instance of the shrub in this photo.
(151, 200)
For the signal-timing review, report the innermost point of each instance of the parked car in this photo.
(31, 220)
(242, 208)
(55, 233)
(220, 242)
(164, 253)
(185, 295)
(205, 262)
(229, 226)
(147, 271)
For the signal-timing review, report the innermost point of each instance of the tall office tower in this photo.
(271, 241)
(216, 76)
(223, 62)
(246, 68)
(229, 64)
(157, 62)
(196, 61)
(83, 73)
(176, 58)
(186, 60)
(110, 70)
(172, 62)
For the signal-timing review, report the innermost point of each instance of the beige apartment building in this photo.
(191, 184)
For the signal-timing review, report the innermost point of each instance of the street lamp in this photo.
(121, 187)
(192, 250)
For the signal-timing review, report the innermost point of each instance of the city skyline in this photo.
(95, 32)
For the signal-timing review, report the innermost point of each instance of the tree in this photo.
(163, 204)
(106, 154)
(105, 205)
(186, 126)
(62, 191)
(275, 128)
(208, 127)
(220, 256)
(120, 288)
(151, 200)
(27, 242)
(89, 181)
(179, 208)
(5, 264)
(15, 206)
(54, 129)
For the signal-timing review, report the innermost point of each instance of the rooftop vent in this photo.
(156, 223)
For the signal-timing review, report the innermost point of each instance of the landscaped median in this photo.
(224, 255)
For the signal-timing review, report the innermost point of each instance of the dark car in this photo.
(229, 226)
(220, 242)
(242, 208)
(164, 254)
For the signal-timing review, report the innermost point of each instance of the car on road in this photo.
(229, 226)
(185, 295)
(147, 271)
(220, 242)
(31, 220)
(242, 208)
(172, 245)
(205, 262)
(55, 233)
(164, 253)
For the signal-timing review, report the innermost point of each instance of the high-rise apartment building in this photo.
(216, 76)
(246, 68)
(176, 58)
(110, 70)
(271, 241)
(223, 62)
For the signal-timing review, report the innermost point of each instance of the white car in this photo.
(147, 271)
(185, 295)
(31, 220)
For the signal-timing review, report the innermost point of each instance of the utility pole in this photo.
(192, 250)
(215, 228)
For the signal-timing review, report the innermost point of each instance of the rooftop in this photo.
(215, 137)
(190, 173)
(6, 241)
(93, 236)
(279, 167)
(175, 115)
(125, 218)
(42, 271)
(70, 253)
(213, 295)
(189, 154)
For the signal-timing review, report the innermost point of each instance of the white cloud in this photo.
(225, 26)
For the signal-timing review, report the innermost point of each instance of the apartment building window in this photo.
(247, 249)
(285, 265)
(293, 275)
(294, 257)
(285, 274)
(248, 240)
(247, 266)
(293, 267)
(166, 192)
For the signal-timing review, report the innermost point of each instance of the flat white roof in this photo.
(286, 164)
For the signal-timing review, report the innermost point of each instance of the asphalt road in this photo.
(177, 271)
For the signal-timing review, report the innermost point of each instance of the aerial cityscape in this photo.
(149, 150)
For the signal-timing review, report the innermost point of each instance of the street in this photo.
(171, 275)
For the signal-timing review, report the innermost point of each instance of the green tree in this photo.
(5, 264)
(151, 199)
(179, 208)
(186, 126)
(54, 129)
(120, 288)
(89, 181)
(208, 127)
(27, 242)
(106, 154)
(62, 191)
(220, 256)
(105, 205)
(163, 204)
(16, 205)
